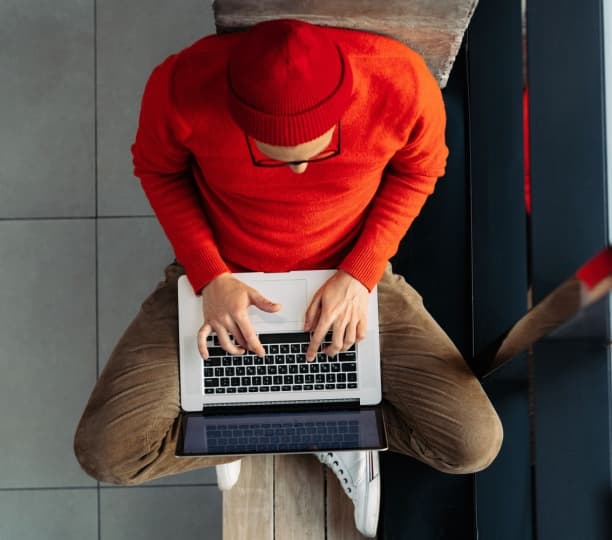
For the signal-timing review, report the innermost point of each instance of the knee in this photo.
(100, 458)
(480, 447)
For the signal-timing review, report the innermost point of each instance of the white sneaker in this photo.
(359, 475)
(228, 474)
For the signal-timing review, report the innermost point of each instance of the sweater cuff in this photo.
(202, 267)
(364, 265)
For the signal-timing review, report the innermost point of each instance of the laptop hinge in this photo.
(281, 406)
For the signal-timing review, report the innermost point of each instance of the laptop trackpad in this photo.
(291, 293)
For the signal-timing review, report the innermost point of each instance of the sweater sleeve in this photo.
(163, 164)
(407, 182)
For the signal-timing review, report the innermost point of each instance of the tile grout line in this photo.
(98, 487)
(95, 171)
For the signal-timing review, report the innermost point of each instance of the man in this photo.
(290, 147)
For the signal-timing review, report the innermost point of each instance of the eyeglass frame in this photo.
(285, 163)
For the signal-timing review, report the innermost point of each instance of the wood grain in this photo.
(340, 512)
(299, 511)
(248, 506)
(434, 28)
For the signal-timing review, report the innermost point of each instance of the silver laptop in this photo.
(235, 405)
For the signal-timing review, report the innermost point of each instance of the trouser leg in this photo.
(436, 409)
(128, 431)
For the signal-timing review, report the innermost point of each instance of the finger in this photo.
(225, 341)
(339, 329)
(361, 330)
(312, 313)
(250, 337)
(323, 324)
(263, 303)
(350, 334)
(203, 334)
(233, 329)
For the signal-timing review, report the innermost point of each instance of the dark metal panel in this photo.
(499, 256)
(565, 58)
(504, 490)
(573, 440)
(499, 250)
(418, 501)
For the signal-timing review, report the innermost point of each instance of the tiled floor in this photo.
(80, 249)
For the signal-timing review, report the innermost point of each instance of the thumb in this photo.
(263, 303)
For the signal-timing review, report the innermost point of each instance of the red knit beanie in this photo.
(288, 82)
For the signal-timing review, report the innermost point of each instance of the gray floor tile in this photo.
(132, 255)
(160, 513)
(47, 108)
(55, 514)
(133, 37)
(48, 353)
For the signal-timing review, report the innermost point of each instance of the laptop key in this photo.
(213, 361)
(296, 387)
(235, 381)
(220, 390)
(341, 377)
(241, 390)
(304, 368)
(299, 379)
(347, 357)
(256, 381)
(229, 371)
(330, 377)
(314, 368)
(219, 372)
(261, 370)
(282, 370)
(301, 358)
(335, 368)
(231, 390)
(247, 360)
(286, 388)
(258, 361)
(293, 369)
(209, 391)
(225, 381)
(341, 386)
(352, 385)
(245, 381)
(275, 389)
(319, 386)
(320, 378)
(208, 372)
(253, 389)
(309, 379)
(308, 387)
(324, 368)
(330, 386)
(236, 360)
(284, 349)
(349, 367)
(273, 349)
(264, 388)
(288, 379)
(211, 383)
(277, 379)
(269, 359)
(251, 370)
(352, 377)
(240, 371)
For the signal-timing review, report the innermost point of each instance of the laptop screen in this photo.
(282, 432)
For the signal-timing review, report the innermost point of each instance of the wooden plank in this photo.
(299, 511)
(248, 506)
(340, 512)
(434, 28)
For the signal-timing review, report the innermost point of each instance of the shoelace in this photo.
(346, 480)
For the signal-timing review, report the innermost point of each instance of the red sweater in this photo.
(221, 213)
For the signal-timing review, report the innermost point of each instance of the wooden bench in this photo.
(294, 496)
(287, 497)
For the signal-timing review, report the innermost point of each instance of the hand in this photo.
(340, 303)
(225, 302)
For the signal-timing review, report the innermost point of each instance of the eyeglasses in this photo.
(321, 156)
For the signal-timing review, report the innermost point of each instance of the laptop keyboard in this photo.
(274, 437)
(282, 369)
